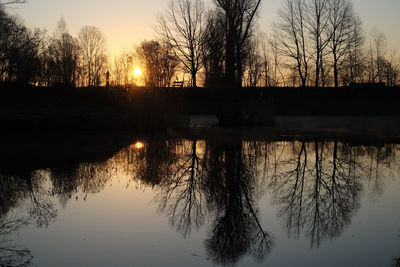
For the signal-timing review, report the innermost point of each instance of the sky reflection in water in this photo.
(169, 202)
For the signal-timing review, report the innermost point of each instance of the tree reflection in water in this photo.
(219, 181)
(28, 189)
(11, 254)
(236, 230)
(316, 187)
(319, 184)
(182, 197)
(151, 163)
(28, 197)
(10, 195)
(84, 180)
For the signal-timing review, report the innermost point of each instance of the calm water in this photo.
(173, 202)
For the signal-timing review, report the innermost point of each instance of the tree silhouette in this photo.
(93, 46)
(320, 194)
(239, 17)
(293, 197)
(182, 26)
(155, 161)
(291, 36)
(182, 198)
(355, 57)
(236, 230)
(317, 23)
(86, 178)
(218, 184)
(339, 28)
(159, 61)
(63, 57)
(20, 51)
(213, 53)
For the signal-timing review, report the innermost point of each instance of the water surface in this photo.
(184, 202)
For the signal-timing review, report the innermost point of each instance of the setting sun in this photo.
(139, 145)
(137, 72)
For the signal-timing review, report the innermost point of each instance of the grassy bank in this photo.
(116, 109)
(41, 109)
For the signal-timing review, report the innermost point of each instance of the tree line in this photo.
(35, 57)
(313, 43)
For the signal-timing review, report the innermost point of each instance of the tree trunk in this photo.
(194, 79)
(317, 69)
(335, 70)
(89, 74)
(230, 59)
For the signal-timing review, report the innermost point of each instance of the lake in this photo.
(185, 201)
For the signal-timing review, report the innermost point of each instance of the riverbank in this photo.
(34, 110)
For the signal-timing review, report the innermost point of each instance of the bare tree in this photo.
(159, 62)
(378, 54)
(317, 22)
(118, 72)
(20, 48)
(21, 54)
(355, 54)
(291, 36)
(339, 27)
(239, 21)
(63, 56)
(93, 53)
(123, 67)
(213, 49)
(266, 60)
(391, 70)
(182, 26)
(275, 81)
(255, 64)
(7, 29)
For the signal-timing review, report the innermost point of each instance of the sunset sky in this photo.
(127, 22)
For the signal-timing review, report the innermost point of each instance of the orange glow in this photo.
(139, 145)
(137, 72)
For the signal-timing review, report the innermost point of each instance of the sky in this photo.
(127, 22)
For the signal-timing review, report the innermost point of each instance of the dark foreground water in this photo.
(178, 202)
